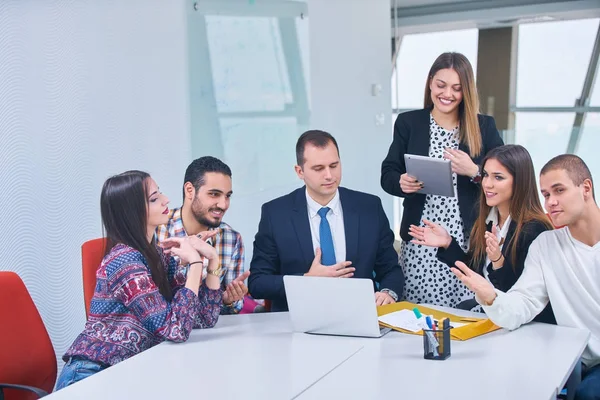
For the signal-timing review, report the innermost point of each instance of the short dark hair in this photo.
(575, 167)
(315, 137)
(199, 167)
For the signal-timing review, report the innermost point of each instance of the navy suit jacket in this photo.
(283, 244)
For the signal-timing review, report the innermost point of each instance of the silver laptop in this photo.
(332, 306)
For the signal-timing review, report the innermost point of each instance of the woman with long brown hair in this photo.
(510, 218)
(143, 295)
(450, 127)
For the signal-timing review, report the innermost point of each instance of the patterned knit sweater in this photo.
(129, 315)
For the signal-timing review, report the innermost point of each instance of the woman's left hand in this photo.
(492, 245)
(205, 235)
(461, 162)
(205, 249)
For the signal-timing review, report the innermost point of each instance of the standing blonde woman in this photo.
(450, 127)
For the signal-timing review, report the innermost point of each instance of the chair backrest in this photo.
(27, 356)
(92, 253)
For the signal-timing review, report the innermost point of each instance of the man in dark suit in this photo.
(323, 230)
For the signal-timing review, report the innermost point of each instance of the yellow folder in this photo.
(474, 326)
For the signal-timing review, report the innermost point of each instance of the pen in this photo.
(443, 324)
(429, 323)
(426, 326)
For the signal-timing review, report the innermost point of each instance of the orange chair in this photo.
(27, 359)
(92, 253)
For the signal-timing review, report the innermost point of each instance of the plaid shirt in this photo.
(230, 249)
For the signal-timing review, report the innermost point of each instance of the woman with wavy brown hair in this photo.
(510, 218)
(143, 295)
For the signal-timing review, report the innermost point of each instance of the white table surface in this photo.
(252, 356)
(256, 356)
(532, 362)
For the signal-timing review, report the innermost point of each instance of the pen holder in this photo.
(436, 344)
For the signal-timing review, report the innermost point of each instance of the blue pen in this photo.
(424, 323)
(434, 342)
(428, 320)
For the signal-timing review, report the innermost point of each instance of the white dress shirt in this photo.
(501, 235)
(335, 217)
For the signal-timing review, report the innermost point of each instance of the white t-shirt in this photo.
(565, 271)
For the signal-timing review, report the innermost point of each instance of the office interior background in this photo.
(92, 88)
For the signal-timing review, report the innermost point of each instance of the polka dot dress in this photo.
(427, 279)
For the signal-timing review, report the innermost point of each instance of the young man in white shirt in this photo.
(563, 267)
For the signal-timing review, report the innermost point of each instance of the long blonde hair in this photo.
(469, 106)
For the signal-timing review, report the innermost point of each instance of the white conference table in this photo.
(532, 362)
(256, 356)
(252, 356)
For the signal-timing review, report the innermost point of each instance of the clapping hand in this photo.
(182, 248)
(492, 245)
(475, 282)
(236, 290)
(432, 235)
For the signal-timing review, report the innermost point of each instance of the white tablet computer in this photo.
(435, 173)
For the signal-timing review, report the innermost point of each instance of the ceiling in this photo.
(419, 3)
(416, 16)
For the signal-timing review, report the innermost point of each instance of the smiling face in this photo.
(212, 199)
(497, 184)
(563, 200)
(446, 90)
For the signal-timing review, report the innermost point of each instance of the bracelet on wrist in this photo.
(216, 272)
(195, 262)
(494, 261)
(476, 178)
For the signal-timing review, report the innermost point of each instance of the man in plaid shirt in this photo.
(206, 196)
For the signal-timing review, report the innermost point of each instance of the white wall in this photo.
(351, 50)
(241, 65)
(92, 88)
(248, 64)
(87, 89)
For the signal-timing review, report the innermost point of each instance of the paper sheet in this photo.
(404, 319)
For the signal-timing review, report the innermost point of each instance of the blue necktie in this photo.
(327, 252)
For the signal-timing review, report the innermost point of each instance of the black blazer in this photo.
(411, 136)
(503, 278)
(283, 244)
